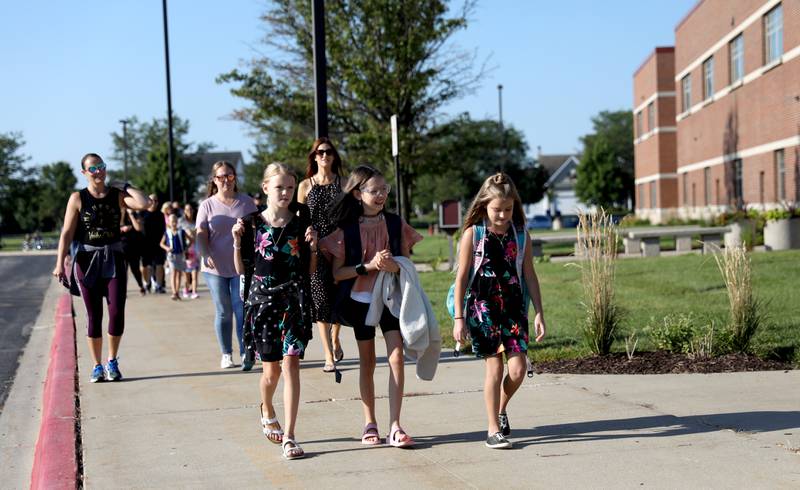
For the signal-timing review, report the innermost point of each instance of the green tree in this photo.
(148, 158)
(467, 151)
(384, 57)
(56, 183)
(613, 131)
(11, 176)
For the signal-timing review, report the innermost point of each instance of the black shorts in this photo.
(153, 256)
(355, 312)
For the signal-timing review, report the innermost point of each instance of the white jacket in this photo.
(403, 295)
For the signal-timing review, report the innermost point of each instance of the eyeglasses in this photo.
(222, 178)
(326, 151)
(385, 190)
(96, 168)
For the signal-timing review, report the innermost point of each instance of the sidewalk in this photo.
(178, 421)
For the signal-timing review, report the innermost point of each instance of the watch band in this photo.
(361, 270)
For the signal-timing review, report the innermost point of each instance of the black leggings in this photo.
(114, 289)
(355, 313)
(133, 257)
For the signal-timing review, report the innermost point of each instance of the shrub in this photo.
(629, 221)
(675, 333)
(597, 243)
(746, 312)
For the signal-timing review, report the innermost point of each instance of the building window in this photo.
(736, 52)
(716, 191)
(780, 175)
(738, 192)
(694, 201)
(686, 93)
(707, 185)
(708, 78)
(651, 116)
(685, 189)
(653, 204)
(639, 124)
(761, 187)
(640, 196)
(773, 34)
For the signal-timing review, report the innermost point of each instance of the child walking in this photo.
(175, 242)
(494, 282)
(365, 242)
(276, 250)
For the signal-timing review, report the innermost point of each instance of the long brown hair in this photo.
(346, 207)
(312, 167)
(212, 189)
(498, 186)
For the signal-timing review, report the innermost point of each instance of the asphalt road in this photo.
(23, 282)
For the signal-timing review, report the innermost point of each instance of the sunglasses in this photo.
(326, 151)
(96, 168)
(385, 190)
(222, 178)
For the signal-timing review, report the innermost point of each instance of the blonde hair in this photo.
(277, 168)
(498, 186)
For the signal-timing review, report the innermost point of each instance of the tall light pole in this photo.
(502, 131)
(124, 148)
(171, 150)
(320, 69)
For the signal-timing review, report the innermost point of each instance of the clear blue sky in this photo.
(74, 69)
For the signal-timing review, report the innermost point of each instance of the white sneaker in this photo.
(226, 362)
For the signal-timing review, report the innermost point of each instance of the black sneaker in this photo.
(498, 441)
(505, 427)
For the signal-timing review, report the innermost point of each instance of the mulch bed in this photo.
(659, 362)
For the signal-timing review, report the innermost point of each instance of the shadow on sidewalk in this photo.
(655, 426)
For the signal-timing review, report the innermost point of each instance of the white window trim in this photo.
(655, 131)
(653, 97)
(754, 17)
(655, 177)
(746, 153)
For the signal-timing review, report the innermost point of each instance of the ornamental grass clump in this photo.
(747, 313)
(597, 244)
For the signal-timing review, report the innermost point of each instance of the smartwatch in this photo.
(361, 270)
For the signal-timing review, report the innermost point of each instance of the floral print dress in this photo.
(276, 315)
(495, 315)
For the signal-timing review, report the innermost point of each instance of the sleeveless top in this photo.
(319, 200)
(99, 219)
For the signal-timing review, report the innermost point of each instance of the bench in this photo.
(540, 241)
(648, 242)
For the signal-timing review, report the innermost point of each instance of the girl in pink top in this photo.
(367, 239)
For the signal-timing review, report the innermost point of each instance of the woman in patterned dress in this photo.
(319, 190)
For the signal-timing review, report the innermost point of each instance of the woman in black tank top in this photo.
(92, 230)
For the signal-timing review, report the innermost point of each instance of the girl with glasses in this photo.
(215, 218)
(365, 242)
(319, 190)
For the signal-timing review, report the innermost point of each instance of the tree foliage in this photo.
(148, 157)
(384, 57)
(56, 183)
(605, 176)
(467, 151)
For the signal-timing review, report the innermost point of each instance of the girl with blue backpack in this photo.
(494, 283)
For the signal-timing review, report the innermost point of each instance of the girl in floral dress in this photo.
(276, 250)
(493, 285)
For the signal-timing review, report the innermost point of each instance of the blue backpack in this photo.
(478, 232)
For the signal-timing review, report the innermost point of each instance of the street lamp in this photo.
(502, 131)
(124, 148)
(171, 150)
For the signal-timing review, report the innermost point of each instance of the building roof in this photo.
(552, 163)
(207, 160)
(563, 171)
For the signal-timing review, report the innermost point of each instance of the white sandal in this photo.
(293, 452)
(265, 423)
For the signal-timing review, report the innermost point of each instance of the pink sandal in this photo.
(404, 440)
(370, 431)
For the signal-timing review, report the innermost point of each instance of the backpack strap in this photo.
(394, 225)
(478, 246)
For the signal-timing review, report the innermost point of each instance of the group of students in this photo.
(316, 253)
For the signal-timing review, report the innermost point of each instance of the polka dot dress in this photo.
(319, 200)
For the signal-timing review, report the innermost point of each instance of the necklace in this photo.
(273, 223)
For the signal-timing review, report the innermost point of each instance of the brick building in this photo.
(717, 117)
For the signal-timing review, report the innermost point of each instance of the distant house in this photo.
(560, 187)
(207, 160)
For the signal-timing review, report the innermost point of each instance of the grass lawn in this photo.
(13, 243)
(648, 289)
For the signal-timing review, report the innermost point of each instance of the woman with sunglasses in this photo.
(215, 218)
(319, 190)
(92, 228)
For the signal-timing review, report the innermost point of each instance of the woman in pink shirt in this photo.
(215, 219)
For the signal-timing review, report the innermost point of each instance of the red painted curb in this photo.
(55, 463)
